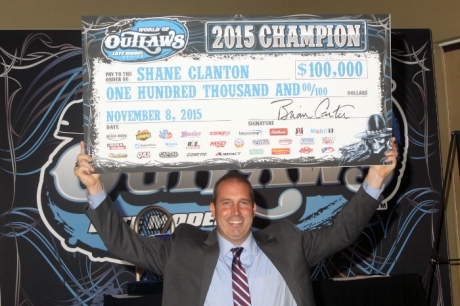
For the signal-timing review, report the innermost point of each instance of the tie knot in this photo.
(237, 251)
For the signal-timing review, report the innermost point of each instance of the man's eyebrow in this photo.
(242, 199)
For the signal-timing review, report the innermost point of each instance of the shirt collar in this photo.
(225, 246)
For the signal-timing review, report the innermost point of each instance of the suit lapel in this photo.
(271, 247)
(211, 255)
(268, 243)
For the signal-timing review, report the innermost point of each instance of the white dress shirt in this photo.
(266, 285)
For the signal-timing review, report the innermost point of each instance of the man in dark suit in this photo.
(197, 265)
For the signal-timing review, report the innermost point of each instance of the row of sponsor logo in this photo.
(173, 154)
(238, 143)
(166, 134)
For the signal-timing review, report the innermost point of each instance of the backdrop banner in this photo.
(50, 253)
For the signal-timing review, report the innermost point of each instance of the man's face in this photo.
(233, 211)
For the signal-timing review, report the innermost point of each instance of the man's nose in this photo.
(235, 209)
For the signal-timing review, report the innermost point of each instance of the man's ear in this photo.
(254, 208)
(212, 207)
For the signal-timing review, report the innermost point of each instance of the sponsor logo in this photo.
(305, 150)
(144, 154)
(144, 40)
(281, 151)
(256, 123)
(197, 154)
(143, 135)
(285, 141)
(168, 154)
(307, 141)
(218, 144)
(299, 131)
(228, 153)
(193, 145)
(190, 134)
(118, 155)
(219, 133)
(256, 151)
(322, 131)
(165, 134)
(327, 150)
(138, 146)
(328, 140)
(251, 133)
(116, 137)
(239, 143)
(171, 144)
(278, 132)
(261, 142)
(116, 146)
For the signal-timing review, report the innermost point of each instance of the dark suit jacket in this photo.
(188, 259)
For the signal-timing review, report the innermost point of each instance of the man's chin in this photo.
(237, 236)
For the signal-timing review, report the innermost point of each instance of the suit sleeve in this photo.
(146, 252)
(346, 228)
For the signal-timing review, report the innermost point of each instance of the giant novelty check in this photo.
(165, 93)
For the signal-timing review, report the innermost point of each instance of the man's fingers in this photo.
(84, 170)
(83, 158)
(393, 153)
(82, 147)
(394, 149)
(86, 167)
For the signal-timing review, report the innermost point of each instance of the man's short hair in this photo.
(233, 176)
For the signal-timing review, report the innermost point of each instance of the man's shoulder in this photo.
(282, 223)
(279, 226)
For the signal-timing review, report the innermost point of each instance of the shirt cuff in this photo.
(95, 200)
(375, 193)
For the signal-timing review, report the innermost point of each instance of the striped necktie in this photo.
(240, 283)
